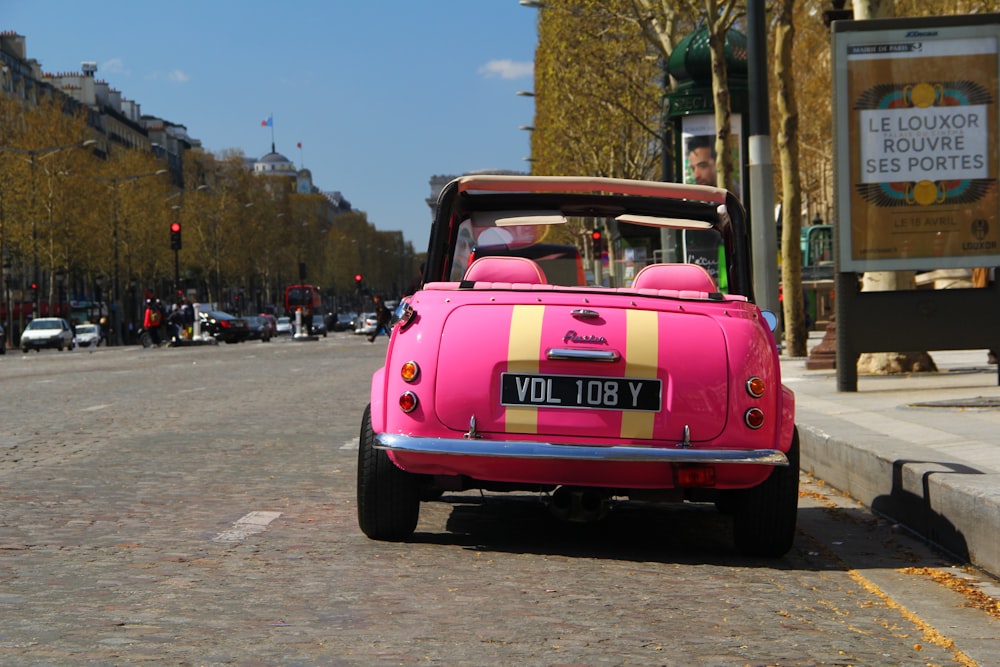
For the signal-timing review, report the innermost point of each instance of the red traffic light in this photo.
(596, 235)
(357, 277)
(175, 236)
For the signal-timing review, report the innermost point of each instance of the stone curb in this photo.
(950, 503)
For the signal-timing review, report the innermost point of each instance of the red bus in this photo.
(308, 299)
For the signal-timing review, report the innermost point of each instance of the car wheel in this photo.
(764, 517)
(25, 349)
(388, 498)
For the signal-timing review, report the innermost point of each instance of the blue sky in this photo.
(383, 94)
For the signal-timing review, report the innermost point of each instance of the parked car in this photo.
(366, 324)
(260, 328)
(318, 326)
(224, 327)
(283, 326)
(664, 387)
(88, 334)
(52, 332)
(344, 322)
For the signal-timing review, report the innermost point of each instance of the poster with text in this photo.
(918, 157)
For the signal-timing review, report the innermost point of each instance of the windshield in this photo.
(575, 250)
(45, 324)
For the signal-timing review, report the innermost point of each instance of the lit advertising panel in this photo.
(916, 118)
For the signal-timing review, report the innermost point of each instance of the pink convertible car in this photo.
(527, 362)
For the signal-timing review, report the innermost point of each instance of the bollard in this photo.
(299, 332)
(196, 332)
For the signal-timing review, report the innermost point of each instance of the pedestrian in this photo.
(151, 321)
(175, 320)
(382, 317)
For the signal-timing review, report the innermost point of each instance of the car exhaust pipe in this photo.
(579, 505)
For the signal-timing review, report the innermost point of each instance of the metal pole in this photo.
(762, 224)
(116, 306)
(36, 310)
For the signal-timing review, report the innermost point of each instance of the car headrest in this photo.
(505, 270)
(674, 277)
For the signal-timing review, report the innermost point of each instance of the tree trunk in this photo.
(796, 336)
(887, 363)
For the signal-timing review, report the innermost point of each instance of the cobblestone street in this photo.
(196, 507)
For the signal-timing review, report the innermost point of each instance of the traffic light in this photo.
(175, 236)
(597, 245)
(357, 280)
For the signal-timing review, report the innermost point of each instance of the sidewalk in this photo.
(920, 448)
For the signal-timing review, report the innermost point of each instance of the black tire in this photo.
(25, 350)
(764, 518)
(146, 339)
(388, 498)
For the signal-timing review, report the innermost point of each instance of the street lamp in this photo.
(32, 156)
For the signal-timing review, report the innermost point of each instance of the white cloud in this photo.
(113, 66)
(177, 76)
(507, 69)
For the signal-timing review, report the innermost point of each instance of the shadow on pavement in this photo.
(916, 510)
(683, 534)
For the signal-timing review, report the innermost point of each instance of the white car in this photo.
(88, 334)
(366, 324)
(283, 326)
(51, 332)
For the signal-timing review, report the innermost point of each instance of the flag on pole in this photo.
(267, 123)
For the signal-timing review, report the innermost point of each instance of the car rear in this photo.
(573, 370)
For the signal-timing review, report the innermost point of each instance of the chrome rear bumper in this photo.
(522, 449)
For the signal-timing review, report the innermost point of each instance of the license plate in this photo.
(577, 391)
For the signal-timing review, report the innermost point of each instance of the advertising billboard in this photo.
(916, 122)
(698, 145)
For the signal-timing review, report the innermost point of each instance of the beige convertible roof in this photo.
(584, 184)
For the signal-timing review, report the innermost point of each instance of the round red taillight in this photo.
(408, 401)
(754, 418)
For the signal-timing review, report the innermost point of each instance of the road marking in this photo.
(249, 524)
(350, 444)
(96, 407)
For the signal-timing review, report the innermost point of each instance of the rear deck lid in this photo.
(600, 372)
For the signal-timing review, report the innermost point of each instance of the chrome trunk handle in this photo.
(575, 354)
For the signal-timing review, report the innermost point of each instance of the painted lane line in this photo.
(102, 406)
(351, 444)
(249, 524)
